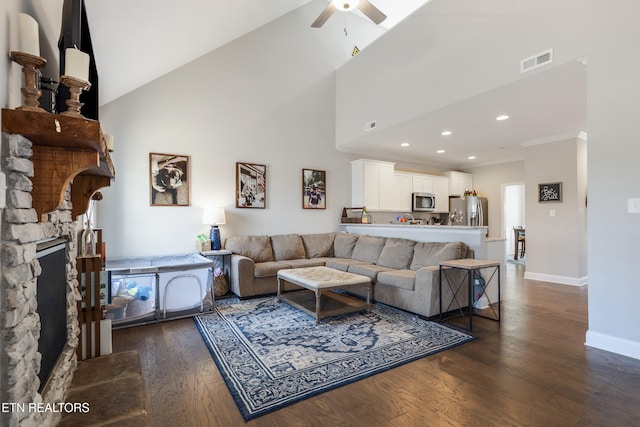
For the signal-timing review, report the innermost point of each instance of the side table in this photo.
(221, 259)
(470, 266)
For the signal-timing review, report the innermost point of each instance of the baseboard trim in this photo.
(613, 344)
(563, 280)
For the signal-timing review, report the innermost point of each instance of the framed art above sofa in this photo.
(314, 189)
(251, 185)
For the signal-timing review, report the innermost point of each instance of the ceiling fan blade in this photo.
(326, 14)
(371, 11)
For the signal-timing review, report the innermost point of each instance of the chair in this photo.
(519, 242)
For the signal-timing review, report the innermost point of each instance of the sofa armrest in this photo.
(242, 269)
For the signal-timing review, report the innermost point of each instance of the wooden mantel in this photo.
(65, 149)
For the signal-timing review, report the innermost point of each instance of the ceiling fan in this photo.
(364, 6)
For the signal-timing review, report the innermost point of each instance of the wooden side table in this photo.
(470, 266)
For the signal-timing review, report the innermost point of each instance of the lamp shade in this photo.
(214, 216)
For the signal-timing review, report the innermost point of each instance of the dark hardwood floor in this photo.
(532, 369)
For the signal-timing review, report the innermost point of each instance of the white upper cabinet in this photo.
(459, 182)
(441, 190)
(372, 184)
(378, 187)
(402, 192)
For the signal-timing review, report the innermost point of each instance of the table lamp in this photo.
(214, 217)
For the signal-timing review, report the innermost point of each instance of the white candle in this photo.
(76, 64)
(29, 36)
(108, 138)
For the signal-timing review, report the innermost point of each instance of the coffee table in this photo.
(317, 298)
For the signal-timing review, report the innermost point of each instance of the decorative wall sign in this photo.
(551, 192)
(169, 179)
(314, 189)
(251, 185)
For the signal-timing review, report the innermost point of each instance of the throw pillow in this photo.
(258, 248)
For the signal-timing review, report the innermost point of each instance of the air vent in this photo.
(535, 61)
(369, 126)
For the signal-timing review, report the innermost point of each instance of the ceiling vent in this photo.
(369, 126)
(535, 61)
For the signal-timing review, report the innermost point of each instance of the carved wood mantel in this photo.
(65, 149)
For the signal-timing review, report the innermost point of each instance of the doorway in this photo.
(513, 214)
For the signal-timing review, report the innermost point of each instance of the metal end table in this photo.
(470, 266)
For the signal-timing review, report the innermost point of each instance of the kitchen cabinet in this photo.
(403, 183)
(422, 183)
(459, 182)
(441, 190)
(372, 184)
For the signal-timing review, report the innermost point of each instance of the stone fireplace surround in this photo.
(22, 404)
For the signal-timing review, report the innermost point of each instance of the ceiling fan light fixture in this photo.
(345, 5)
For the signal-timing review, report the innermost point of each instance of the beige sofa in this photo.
(405, 273)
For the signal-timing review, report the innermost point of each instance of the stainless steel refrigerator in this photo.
(470, 210)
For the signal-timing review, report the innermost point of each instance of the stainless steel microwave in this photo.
(423, 202)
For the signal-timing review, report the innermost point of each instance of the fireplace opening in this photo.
(52, 304)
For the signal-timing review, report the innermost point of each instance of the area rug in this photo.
(272, 355)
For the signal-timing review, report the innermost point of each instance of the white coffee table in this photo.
(317, 298)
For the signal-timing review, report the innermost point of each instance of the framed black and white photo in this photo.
(169, 179)
(251, 185)
(550, 192)
(314, 189)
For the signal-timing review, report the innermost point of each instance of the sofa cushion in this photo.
(405, 279)
(343, 245)
(287, 246)
(342, 264)
(369, 270)
(268, 268)
(258, 248)
(426, 254)
(368, 248)
(318, 245)
(397, 253)
(301, 263)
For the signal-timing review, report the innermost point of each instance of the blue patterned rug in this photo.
(272, 355)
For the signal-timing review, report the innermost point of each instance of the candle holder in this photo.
(76, 86)
(30, 92)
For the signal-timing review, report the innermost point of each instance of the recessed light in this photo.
(502, 117)
(440, 151)
(471, 157)
(404, 144)
(446, 133)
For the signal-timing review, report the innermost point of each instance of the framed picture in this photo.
(251, 185)
(551, 192)
(169, 179)
(314, 189)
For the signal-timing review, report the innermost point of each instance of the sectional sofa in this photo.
(405, 273)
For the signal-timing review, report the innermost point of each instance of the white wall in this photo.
(431, 66)
(614, 176)
(556, 249)
(268, 98)
(488, 181)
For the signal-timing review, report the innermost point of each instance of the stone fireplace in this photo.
(20, 362)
